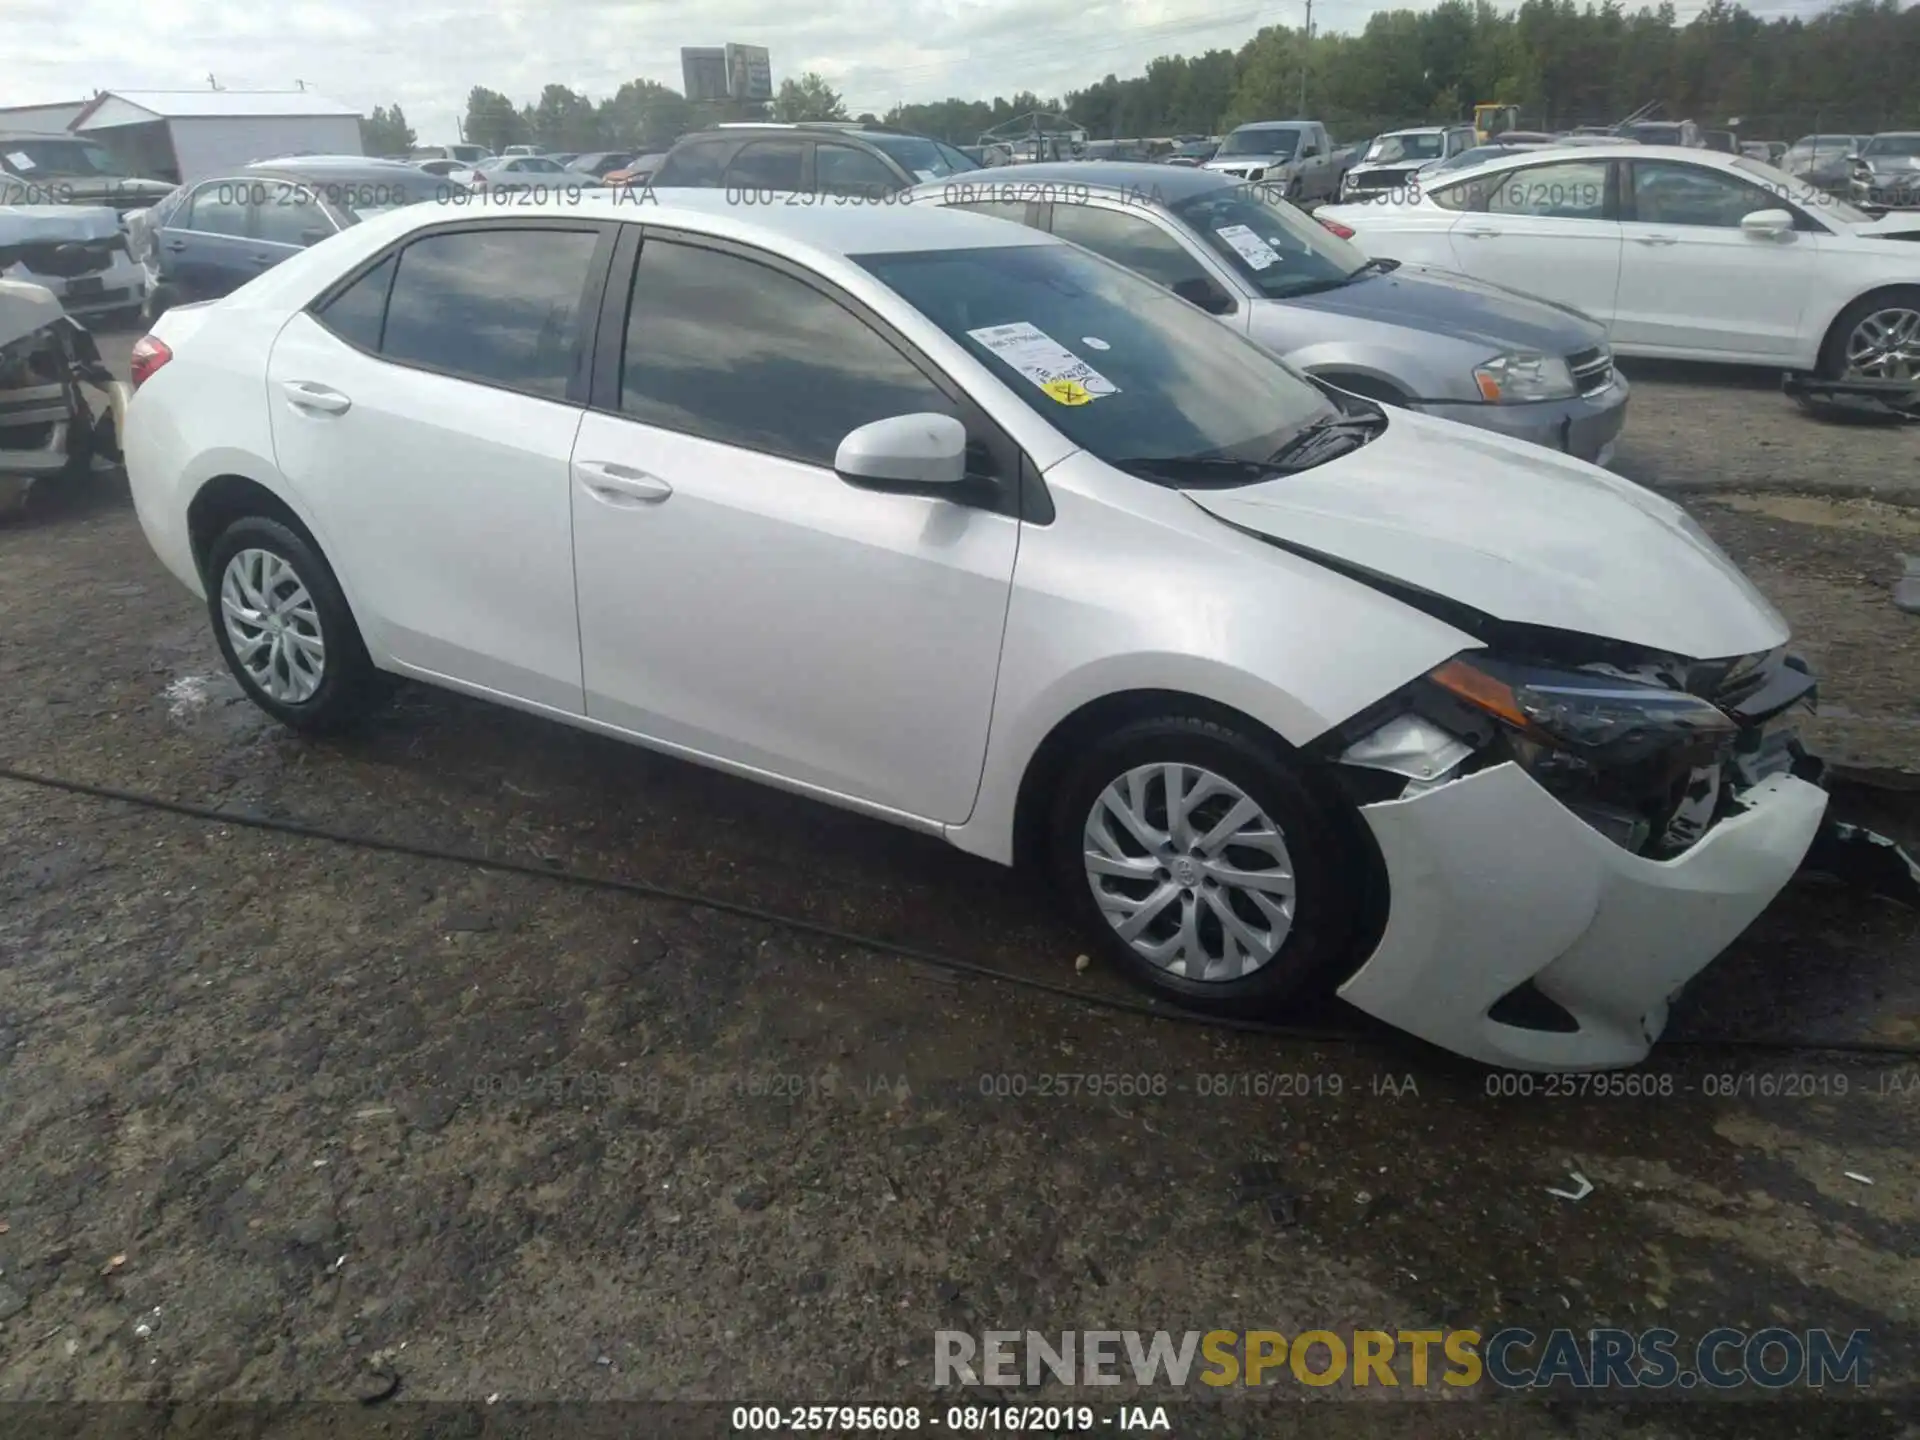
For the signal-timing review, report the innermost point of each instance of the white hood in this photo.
(1517, 532)
(44, 224)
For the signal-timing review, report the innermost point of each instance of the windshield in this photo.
(1793, 188)
(1905, 145)
(1120, 366)
(1387, 148)
(1269, 243)
(59, 157)
(924, 159)
(1261, 140)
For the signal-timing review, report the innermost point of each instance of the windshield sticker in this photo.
(20, 160)
(1064, 376)
(1094, 342)
(1250, 247)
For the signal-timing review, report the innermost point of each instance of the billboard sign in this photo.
(703, 72)
(749, 73)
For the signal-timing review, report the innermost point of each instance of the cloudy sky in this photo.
(426, 57)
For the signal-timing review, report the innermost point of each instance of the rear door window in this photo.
(767, 165)
(496, 304)
(698, 163)
(845, 170)
(219, 207)
(288, 215)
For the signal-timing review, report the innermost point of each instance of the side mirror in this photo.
(1767, 224)
(1198, 290)
(314, 234)
(905, 454)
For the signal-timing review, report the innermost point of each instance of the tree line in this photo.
(1852, 68)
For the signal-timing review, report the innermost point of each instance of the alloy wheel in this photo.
(273, 626)
(1886, 346)
(1190, 872)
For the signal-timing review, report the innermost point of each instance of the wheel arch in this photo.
(1831, 330)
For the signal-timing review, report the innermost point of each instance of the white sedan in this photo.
(950, 522)
(1682, 253)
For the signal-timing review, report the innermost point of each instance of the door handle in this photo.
(176, 244)
(613, 483)
(1479, 234)
(1657, 239)
(261, 259)
(306, 395)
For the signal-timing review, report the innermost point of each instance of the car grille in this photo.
(1243, 172)
(1592, 370)
(70, 259)
(1376, 180)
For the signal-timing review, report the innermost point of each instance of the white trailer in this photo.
(190, 135)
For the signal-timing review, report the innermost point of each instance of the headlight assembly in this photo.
(1607, 722)
(1522, 377)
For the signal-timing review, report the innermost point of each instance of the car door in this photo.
(1548, 230)
(1693, 281)
(425, 413)
(285, 219)
(205, 247)
(738, 599)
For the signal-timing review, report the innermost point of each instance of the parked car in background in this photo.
(1683, 133)
(563, 158)
(825, 159)
(1681, 253)
(1392, 159)
(1723, 141)
(523, 150)
(206, 240)
(599, 163)
(442, 169)
(468, 155)
(1282, 688)
(1423, 339)
(69, 170)
(1297, 155)
(78, 253)
(1886, 172)
(1192, 152)
(1821, 160)
(49, 431)
(1478, 155)
(638, 171)
(519, 172)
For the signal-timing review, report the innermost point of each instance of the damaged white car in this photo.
(49, 429)
(952, 523)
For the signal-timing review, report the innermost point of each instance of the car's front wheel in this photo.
(284, 627)
(1207, 867)
(1876, 338)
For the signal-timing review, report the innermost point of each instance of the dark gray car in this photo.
(1430, 340)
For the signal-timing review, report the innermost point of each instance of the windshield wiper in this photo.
(1197, 470)
(1322, 440)
(1374, 267)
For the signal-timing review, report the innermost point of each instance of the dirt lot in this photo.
(286, 1119)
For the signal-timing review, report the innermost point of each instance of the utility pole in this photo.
(1305, 47)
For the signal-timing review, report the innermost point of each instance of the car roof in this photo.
(1421, 130)
(1895, 135)
(1168, 184)
(336, 168)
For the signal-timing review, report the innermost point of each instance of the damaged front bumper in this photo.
(1506, 904)
(48, 427)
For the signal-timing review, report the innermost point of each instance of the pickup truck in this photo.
(1297, 154)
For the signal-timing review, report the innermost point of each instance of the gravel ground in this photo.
(289, 1120)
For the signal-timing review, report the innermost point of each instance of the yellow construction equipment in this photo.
(1494, 119)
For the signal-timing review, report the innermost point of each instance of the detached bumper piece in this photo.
(1865, 859)
(1854, 399)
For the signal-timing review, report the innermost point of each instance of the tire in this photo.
(1835, 363)
(1321, 916)
(346, 686)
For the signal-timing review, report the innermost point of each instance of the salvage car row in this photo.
(1109, 536)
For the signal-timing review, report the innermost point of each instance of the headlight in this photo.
(1525, 375)
(1604, 721)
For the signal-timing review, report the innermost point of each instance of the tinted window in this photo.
(1665, 193)
(500, 305)
(1128, 240)
(920, 157)
(999, 209)
(738, 352)
(767, 165)
(219, 208)
(1270, 140)
(1572, 190)
(285, 213)
(843, 170)
(356, 313)
(1153, 378)
(697, 163)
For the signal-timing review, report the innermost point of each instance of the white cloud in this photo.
(427, 55)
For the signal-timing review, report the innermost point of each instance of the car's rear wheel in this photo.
(1876, 338)
(284, 628)
(1206, 867)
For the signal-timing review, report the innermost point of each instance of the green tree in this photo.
(386, 132)
(492, 120)
(808, 98)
